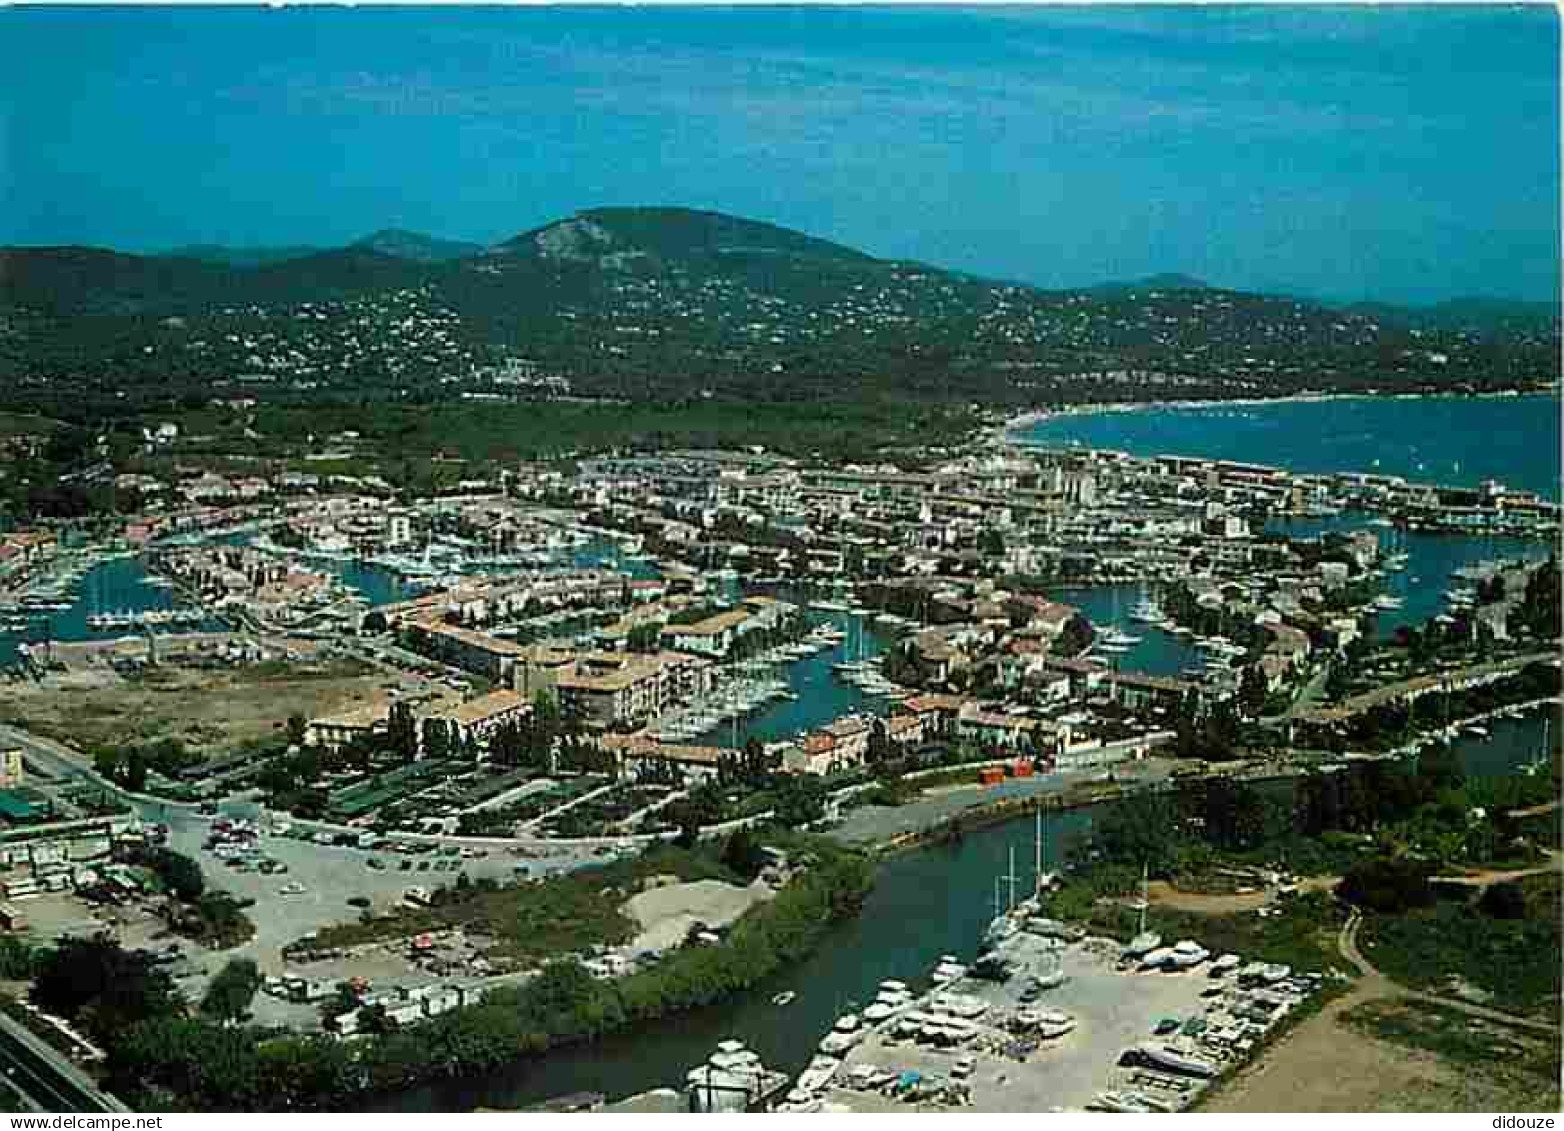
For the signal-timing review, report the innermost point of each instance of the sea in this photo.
(1454, 441)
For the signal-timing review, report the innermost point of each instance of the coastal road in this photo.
(46, 1079)
(875, 824)
(65, 766)
(1304, 700)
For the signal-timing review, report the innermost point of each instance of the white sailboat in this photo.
(1539, 765)
(1147, 610)
(1006, 921)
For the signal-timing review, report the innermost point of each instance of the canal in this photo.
(1431, 560)
(927, 902)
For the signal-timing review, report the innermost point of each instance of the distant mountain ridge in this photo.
(1166, 282)
(610, 236)
(666, 233)
(238, 256)
(667, 301)
(416, 246)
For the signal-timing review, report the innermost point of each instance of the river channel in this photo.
(926, 902)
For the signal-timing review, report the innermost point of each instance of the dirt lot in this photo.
(215, 711)
(1335, 1062)
(666, 914)
(1163, 894)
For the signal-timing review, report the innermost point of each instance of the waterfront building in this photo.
(477, 719)
(336, 731)
(938, 712)
(1136, 691)
(635, 751)
(996, 729)
(613, 689)
(491, 657)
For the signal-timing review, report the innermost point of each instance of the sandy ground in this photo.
(666, 914)
(1163, 894)
(91, 705)
(1327, 1065)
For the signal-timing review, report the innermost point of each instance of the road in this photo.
(1372, 983)
(45, 1078)
(63, 764)
(1305, 699)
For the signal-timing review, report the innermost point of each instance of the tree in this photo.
(181, 874)
(744, 854)
(879, 748)
(507, 745)
(402, 732)
(1387, 884)
(106, 763)
(1503, 901)
(1141, 830)
(18, 960)
(229, 996)
(437, 739)
(643, 638)
(134, 774)
(105, 986)
(547, 728)
(1234, 814)
(564, 1001)
(1252, 690)
(1076, 636)
(296, 729)
(800, 800)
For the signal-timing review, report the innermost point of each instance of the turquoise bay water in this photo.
(114, 585)
(1157, 653)
(1458, 441)
(1431, 559)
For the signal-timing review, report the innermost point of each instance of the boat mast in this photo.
(1145, 900)
(1037, 848)
(1011, 879)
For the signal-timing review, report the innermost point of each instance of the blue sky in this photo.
(1409, 154)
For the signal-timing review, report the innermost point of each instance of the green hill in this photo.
(660, 303)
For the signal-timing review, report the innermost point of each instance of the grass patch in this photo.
(27, 424)
(1526, 1064)
(529, 922)
(1516, 960)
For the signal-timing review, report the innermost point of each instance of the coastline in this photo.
(1007, 432)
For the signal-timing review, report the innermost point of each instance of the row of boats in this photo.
(144, 618)
(1115, 641)
(1146, 952)
(884, 619)
(868, 676)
